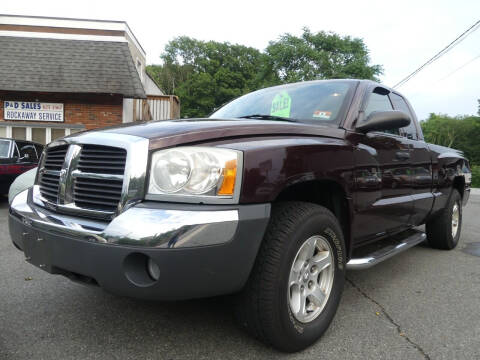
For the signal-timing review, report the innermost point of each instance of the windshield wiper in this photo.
(267, 117)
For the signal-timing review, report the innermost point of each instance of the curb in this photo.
(475, 191)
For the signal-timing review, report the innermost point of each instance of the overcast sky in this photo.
(401, 35)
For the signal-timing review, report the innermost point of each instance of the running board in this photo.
(389, 247)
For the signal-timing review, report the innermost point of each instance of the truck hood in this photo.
(173, 132)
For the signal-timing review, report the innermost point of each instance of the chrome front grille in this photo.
(97, 194)
(91, 192)
(95, 175)
(83, 177)
(102, 159)
(49, 187)
(55, 157)
(49, 179)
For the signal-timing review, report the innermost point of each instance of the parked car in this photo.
(16, 157)
(273, 198)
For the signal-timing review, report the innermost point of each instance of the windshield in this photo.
(4, 148)
(315, 101)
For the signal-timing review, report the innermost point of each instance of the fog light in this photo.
(153, 269)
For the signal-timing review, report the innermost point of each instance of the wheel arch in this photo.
(327, 193)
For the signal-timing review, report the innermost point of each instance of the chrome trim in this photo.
(393, 200)
(50, 172)
(65, 183)
(137, 226)
(66, 208)
(133, 189)
(386, 252)
(89, 175)
(172, 228)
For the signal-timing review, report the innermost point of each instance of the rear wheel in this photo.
(297, 280)
(443, 231)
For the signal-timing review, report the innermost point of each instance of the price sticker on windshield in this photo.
(281, 105)
(322, 114)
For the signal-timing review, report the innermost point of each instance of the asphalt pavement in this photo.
(421, 304)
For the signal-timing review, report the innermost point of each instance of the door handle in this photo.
(402, 155)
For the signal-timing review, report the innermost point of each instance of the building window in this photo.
(57, 133)
(39, 135)
(19, 133)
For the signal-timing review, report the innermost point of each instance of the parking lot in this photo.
(422, 304)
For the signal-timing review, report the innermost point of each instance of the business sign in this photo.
(32, 111)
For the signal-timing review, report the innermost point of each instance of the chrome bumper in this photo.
(200, 250)
(143, 225)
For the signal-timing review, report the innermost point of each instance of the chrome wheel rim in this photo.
(455, 219)
(311, 279)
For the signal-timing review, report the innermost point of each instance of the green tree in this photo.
(461, 132)
(169, 76)
(320, 55)
(207, 74)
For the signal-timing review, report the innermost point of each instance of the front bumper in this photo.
(200, 250)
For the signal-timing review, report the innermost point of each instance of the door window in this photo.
(39, 149)
(27, 151)
(400, 104)
(379, 102)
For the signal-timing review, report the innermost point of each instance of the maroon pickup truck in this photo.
(272, 198)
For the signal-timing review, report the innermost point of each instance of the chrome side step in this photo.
(394, 246)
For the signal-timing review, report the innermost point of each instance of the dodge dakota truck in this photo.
(272, 198)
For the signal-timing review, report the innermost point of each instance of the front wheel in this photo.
(295, 287)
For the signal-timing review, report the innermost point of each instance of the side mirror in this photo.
(384, 120)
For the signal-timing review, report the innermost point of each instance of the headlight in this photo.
(197, 173)
(171, 171)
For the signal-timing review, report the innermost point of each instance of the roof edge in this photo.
(128, 30)
(62, 18)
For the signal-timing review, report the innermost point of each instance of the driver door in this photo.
(383, 177)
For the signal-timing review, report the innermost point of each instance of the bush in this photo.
(476, 176)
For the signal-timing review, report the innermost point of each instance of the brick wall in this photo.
(92, 111)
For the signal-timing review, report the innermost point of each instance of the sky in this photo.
(401, 35)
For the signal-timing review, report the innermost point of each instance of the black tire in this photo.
(262, 307)
(439, 229)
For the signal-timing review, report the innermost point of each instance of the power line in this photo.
(461, 67)
(442, 52)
